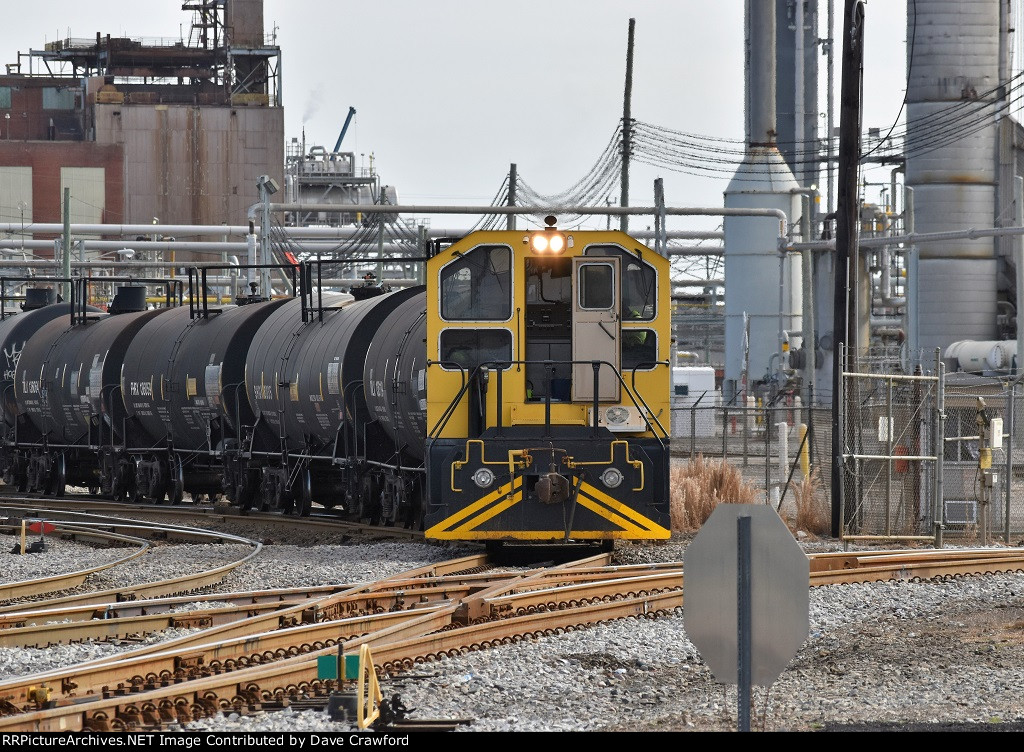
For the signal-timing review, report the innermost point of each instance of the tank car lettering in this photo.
(263, 392)
(334, 378)
(96, 379)
(212, 384)
(140, 388)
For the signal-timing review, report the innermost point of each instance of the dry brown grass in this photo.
(700, 486)
(813, 511)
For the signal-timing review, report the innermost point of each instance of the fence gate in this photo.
(890, 458)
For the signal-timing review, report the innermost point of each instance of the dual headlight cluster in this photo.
(484, 477)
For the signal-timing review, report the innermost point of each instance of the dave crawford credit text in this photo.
(190, 741)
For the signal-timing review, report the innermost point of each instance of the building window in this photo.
(58, 98)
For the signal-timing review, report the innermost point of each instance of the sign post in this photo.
(746, 597)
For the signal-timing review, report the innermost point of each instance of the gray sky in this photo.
(448, 94)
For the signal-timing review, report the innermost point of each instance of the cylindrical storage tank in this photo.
(980, 356)
(69, 373)
(754, 279)
(319, 375)
(15, 331)
(394, 377)
(953, 89)
(970, 286)
(181, 373)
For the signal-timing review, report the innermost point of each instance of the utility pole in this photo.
(846, 236)
(627, 127)
(510, 223)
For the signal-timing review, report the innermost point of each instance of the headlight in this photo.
(483, 478)
(611, 478)
(547, 242)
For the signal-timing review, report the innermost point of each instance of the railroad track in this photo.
(321, 519)
(271, 659)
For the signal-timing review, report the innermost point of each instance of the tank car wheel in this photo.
(284, 500)
(177, 490)
(159, 483)
(304, 495)
(245, 492)
(59, 476)
(369, 500)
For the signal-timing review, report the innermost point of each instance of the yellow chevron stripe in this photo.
(615, 511)
(502, 498)
(463, 524)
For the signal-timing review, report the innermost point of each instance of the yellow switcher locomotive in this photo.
(548, 404)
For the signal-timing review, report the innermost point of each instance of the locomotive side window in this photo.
(597, 286)
(639, 283)
(639, 346)
(478, 285)
(471, 347)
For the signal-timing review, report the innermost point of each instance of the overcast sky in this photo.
(448, 94)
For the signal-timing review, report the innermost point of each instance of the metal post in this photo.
(66, 245)
(940, 447)
(743, 621)
(808, 303)
(265, 240)
(1018, 258)
(912, 255)
(421, 244)
(380, 243)
(1008, 470)
(888, 459)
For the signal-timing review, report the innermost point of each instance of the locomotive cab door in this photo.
(595, 327)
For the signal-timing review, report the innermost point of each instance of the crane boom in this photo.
(341, 136)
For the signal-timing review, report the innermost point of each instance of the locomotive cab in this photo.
(547, 412)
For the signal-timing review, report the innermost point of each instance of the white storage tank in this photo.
(985, 357)
(694, 401)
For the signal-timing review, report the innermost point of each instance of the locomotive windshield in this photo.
(478, 286)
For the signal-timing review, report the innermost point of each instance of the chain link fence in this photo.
(924, 457)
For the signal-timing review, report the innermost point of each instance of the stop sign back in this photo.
(779, 593)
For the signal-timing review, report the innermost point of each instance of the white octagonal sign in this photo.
(780, 576)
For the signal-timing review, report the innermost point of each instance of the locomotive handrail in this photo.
(448, 411)
(502, 365)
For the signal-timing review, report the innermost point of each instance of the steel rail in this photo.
(167, 587)
(58, 582)
(128, 609)
(245, 688)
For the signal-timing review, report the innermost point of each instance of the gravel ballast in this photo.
(933, 654)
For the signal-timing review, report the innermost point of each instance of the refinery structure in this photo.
(169, 144)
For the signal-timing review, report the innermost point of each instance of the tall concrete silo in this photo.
(758, 290)
(953, 63)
